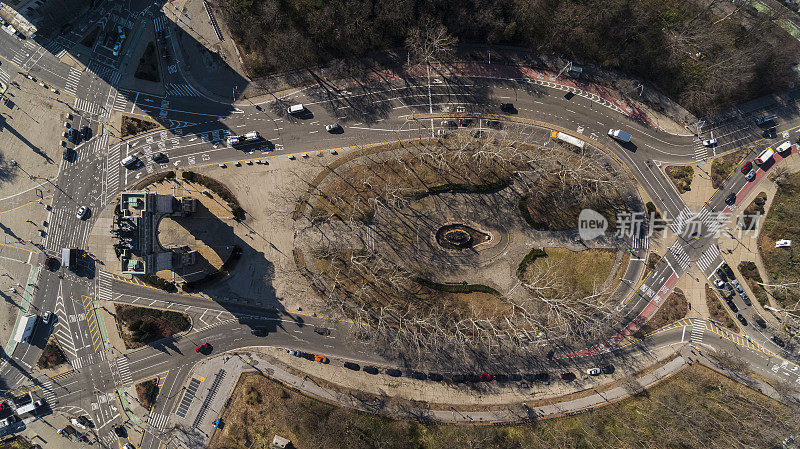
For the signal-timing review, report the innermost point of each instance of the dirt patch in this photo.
(754, 212)
(140, 326)
(681, 177)
(132, 126)
(687, 404)
(52, 355)
(752, 277)
(147, 392)
(672, 310)
(148, 65)
(722, 166)
(717, 310)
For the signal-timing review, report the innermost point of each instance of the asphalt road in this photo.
(382, 111)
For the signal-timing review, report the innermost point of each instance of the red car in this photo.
(205, 347)
(465, 121)
(485, 377)
(747, 167)
(568, 376)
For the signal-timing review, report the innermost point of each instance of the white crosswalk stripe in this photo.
(124, 370)
(640, 242)
(698, 330)
(105, 292)
(678, 223)
(112, 171)
(88, 359)
(708, 257)
(47, 392)
(157, 420)
(86, 106)
(159, 23)
(680, 255)
(73, 79)
(4, 77)
(182, 90)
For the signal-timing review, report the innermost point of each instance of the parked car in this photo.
(728, 270)
(158, 157)
(568, 376)
(484, 377)
(120, 431)
(293, 352)
(449, 123)
(496, 124)
(371, 370)
(778, 341)
(393, 372)
(87, 132)
(751, 175)
(718, 283)
(334, 128)
(608, 369)
(47, 317)
(542, 377)
(352, 366)
(721, 273)
(324, 331)
(593, 371)
(746, 299)
(760, 321)
(320, 359)
(419, 375)
(741, 319)
(436, 377)
(737, 286)
(205, 348)
(82, 211)
(465, 122)
(732, 306)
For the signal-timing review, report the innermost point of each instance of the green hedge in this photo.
(457, 288)
(529, 258)
(218, 188)
(157, 282)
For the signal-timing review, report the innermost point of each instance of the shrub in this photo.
(147, 392)
(157, 282)
(529, 258)
(456, 288)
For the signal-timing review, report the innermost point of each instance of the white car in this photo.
(710, 142)
(333, 128)
(593, 371)
(293, 352)
(47, 317)
(751, 175)
(82, 212)
(718, 283)
(77, 424)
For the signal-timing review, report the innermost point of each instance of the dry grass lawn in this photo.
(584, 271)
(694, 408)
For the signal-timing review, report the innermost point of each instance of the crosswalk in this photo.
(86, 106)
(680, 256)
(124, 370)
(640, 242)
(708, 257)
(158, 421)
(159, 23)
(121, 102)
(109, 74)
(105, 287)
(700, 152)
(182, 90)
(698, 330)
(112, 172)
(47, 392)
(679, 222)
(4, 77)
(73, 79)
(88, 359)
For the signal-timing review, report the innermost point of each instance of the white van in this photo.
(765, 156)
(128, 161)
(620, 135)
(296, 109)
(233, 140)
(252, 135)
(783, 147)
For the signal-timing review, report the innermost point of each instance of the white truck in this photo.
(25, 329)
(252, 135)
(619, 134)
(233, 140)
(567, 138)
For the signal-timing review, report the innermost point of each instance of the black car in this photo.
(419, 375)
(494, 124)
(607, 369)
(394, 372)
(732, 306)
(324, 331)
(746, 299)
(778, 341)
(352, 366)
(741, 319)
(87, 132)
(722, 275)
(371, 370)
(568, 376)
(542, 377)
(436, 377)
(120, 431)
(760, 321)
(730, 200)
(728, 270)
(159, 157)
(259, 332)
